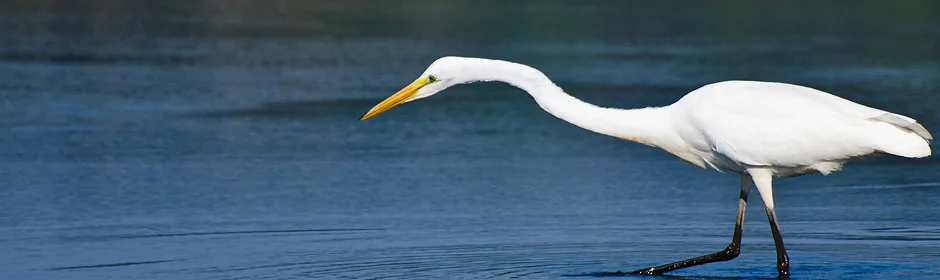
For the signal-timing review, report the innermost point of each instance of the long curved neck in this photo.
(646, 125)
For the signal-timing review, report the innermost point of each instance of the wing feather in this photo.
(776, 124)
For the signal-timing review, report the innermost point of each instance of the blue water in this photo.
(218, 140)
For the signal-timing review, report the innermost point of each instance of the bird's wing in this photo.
(857, 110)
(903, 122)
(775, 124)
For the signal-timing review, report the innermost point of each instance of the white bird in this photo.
(762, 130)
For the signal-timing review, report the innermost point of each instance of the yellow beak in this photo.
(398, 98)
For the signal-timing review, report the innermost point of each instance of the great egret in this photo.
(761, 130)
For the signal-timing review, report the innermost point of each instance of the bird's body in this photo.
(793, 130)
(762, 130)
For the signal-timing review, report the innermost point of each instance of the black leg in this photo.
(730, 252)
(783, 262)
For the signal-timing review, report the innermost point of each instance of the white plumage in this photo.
(787, 128)
(761, 130)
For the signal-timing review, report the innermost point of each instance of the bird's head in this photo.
(440, 75)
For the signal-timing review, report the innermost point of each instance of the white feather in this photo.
(790, 128)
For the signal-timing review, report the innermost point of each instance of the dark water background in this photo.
(220, 140)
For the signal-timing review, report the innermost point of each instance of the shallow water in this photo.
(206, 140)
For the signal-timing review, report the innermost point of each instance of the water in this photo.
(208, 140)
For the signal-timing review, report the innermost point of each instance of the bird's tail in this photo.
(901, 137)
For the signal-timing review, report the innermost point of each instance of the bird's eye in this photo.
(432, 78)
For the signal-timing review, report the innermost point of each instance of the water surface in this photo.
(215, 139)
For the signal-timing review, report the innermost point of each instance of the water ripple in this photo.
(244, 232)
(460, 261)
(210, 234)
(110, 265)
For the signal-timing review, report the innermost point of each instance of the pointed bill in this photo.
(398, 98)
